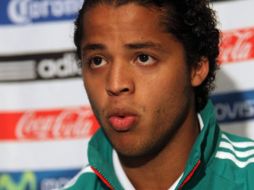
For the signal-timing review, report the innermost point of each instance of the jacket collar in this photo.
(204, 146)
(100, 158)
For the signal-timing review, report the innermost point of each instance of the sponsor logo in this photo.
(39, 67)
(51, 124)
(33, 11)
(53, 183)
(46, 180)
(237, 45)
(233, 107)
(62, 67)
(27, 181)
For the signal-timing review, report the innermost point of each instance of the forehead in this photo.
(128, 17)
(128, 9)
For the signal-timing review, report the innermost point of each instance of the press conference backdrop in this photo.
(45, 117)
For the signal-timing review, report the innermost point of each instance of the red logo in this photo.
(46, 125)
(237, 45)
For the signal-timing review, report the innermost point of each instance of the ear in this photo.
(199, 72)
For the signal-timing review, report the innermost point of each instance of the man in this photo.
(148, 67)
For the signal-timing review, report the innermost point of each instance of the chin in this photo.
(133, 150)
(127, 147)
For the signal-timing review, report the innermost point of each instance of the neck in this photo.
(160, 171)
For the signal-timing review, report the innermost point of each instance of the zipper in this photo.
(103, 178)
(190, 175)
(110, 186)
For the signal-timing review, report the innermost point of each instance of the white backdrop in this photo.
(234, 94)
(45, 118)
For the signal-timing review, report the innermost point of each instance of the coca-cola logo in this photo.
(237, 45)
(70, 123)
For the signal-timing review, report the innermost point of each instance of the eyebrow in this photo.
(143, 45)
(93, 47)
(131, 46)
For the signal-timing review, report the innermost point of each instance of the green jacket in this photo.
(218, 161)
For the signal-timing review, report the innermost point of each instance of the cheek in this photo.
(163, 89)
(92, 84)
(94, 91)
(165, 93)
(96, 101)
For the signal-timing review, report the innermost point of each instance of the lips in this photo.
(123, 121)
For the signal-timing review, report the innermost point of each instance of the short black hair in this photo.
(192, 22)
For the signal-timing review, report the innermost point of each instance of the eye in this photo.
(96, 62)
(145, 59)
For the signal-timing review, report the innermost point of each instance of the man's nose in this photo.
(119, 80)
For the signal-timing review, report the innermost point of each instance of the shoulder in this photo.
(238, 150)
(85, 179)
(233, 160)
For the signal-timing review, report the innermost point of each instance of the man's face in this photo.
(135, 76)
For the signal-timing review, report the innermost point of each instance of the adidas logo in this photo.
(241, 153)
